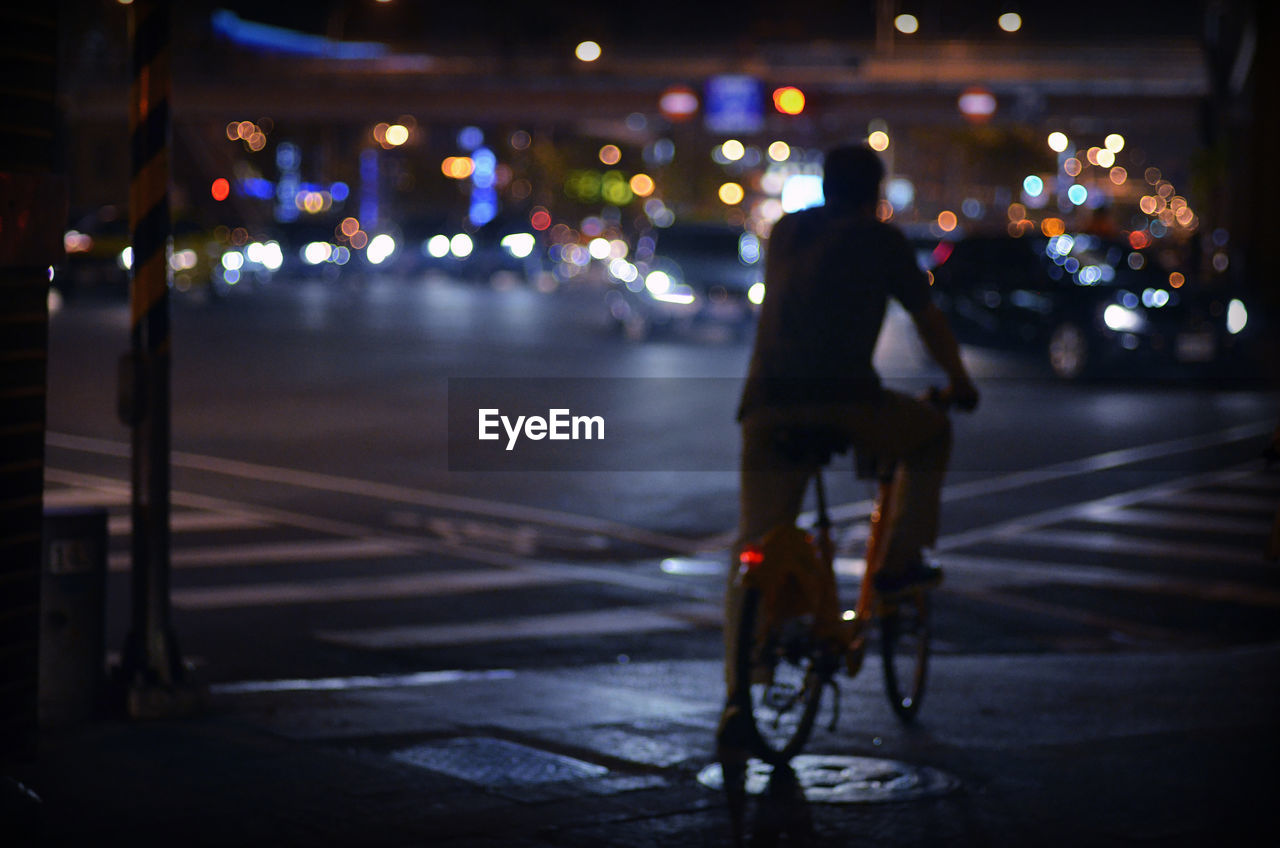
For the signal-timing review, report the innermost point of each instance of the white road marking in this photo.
(1082, 540)
(191, 521)
(969, 572)
(383, 681)
(265, 553)
(1023, 524)
(372, 588)
(628, 620)
(383, 491)
(77, 497)
(1131, 517)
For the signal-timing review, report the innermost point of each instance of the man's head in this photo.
(852, 176)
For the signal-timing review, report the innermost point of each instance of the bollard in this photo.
(73, 583)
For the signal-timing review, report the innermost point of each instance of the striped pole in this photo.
(152, 666)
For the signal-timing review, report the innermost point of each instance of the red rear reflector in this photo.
(751, 556)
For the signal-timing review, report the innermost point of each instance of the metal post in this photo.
(153, 671)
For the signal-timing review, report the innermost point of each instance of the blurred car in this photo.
(99, 256)
(687, 275)
(505, 251)
(1084, 304)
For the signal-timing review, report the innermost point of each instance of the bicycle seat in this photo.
(809, 445)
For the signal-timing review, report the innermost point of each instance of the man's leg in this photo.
(918, 436)
(771, 491)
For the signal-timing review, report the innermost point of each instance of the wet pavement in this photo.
(1083, 749)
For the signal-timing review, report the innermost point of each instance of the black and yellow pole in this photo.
(152, 668)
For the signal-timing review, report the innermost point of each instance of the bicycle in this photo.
(791, 636)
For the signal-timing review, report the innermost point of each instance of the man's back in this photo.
(829, 275)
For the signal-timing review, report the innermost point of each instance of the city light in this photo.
(1114, 142)
(1010, 22)
(1237, 316)
(678, 103)
(221, 189)
(1058, 142)
(906, 24)
(396, 135)
(733, 150)
(878, 140)
(642, 185)
(947, 220)
(1033, 185)
(977, 104)
(380, 248)
(731, 194)
(610, 154)
(788, 100)
(1078, 194)
(779, 151)
(755, 294)
(587, 51)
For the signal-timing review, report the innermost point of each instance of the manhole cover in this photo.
(846, 780)
(497, 762)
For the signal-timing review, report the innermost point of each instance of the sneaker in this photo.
(918, 575)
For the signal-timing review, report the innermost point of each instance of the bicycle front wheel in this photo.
(780, 680)
(904, 647)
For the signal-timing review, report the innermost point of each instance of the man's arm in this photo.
(935, 332)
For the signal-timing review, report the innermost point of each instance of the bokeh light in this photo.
(731, 194)
(610, 154)
(906, 24)
(788, 100)
(642, 185)
(947, 220)
(1058, 142)
(878, 140)
(1010, 22)
(779, 151)
(221, 189)
(587, 51)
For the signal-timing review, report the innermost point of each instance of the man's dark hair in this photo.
(852, 175)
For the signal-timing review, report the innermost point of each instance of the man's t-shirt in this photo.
(828, 278)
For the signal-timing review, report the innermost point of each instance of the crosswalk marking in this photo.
(605, 622)
(968, 573)
(1133, 517)
(373, 588)
(63, 498)
(191, 521)
(276, 552)
(1134, 546)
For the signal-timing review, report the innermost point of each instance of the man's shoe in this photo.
(918, 575)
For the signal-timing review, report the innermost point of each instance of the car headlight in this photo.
(1122, 319)
(658, 282)
(1237, 316)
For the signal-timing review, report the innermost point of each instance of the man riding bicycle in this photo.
(829, 273)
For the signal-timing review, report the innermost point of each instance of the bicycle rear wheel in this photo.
(904, 647)
(781, 678)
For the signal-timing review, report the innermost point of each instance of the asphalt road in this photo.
(322, 527)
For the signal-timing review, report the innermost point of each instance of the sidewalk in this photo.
(1116, 749)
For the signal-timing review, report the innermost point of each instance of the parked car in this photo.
(687, 275)
(1084, 304)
